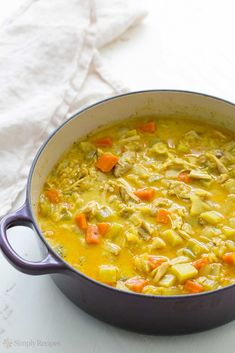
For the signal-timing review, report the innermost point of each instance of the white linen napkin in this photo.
(49, 67)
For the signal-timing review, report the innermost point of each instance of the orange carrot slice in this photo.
(229, 258)
(193, 287)
(163, 216)
(198, 264)
(52, 195)
(146, 194)
(136, 284)
(103, 228)
(81, 221)
(154, 261)
(149, 127)
(106, 162)
(104, 142)
(92, 235)
(184, 176)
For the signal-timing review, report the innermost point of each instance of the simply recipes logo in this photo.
(9, 343)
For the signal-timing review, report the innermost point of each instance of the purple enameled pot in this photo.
(150, 314)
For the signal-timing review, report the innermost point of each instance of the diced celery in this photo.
(151, 290)
(184, 272)
(121, 285)
(208, 284)
(170, 291)
(230, 186)
(157, 243)
(104, 214)
(183, 147)
(108, 273)
(189, 253)
(167, 281)
(229, 232)
(171, 237)
(212, 217)
(198, 206)
(112, 247)
(132, 236)
(215, 270)
(197, 247)
(198, 174)
(116, 229)
(160, 148)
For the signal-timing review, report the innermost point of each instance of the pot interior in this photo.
(158, 103)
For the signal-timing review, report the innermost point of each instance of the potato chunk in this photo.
(197, 247)
(108, 273)
(212, 217)
(184, 272)
(229, 232)
(171, 237)
(198, 206)
(167, 281)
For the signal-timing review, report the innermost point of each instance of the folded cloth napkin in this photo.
(49, 67)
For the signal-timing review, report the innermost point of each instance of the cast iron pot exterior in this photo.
(149, 314)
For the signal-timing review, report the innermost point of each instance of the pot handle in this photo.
(50, 264)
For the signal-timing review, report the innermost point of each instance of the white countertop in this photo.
(183, 45)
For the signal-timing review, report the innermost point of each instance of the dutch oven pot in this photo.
(151, 314)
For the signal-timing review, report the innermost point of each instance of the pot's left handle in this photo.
(50, 264)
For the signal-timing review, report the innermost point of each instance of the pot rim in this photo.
(50, 248)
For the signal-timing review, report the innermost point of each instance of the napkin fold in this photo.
(50, 66)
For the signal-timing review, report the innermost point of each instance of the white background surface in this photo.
(182, 44)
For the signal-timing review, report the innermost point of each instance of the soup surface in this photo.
(146, 205)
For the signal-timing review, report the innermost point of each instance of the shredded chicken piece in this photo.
(219, 134)
(220, 166)
(160, 271)
(83, 173)
(179, 189)
(125, 163)
(124, 190)
(176, 221)
(171, 143)
(177, 161)
(91, 208)
(145, 230)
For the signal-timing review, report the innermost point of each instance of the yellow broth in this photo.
(146, 205)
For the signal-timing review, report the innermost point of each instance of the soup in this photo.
(146, 206)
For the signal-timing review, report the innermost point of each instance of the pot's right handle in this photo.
(50, 264)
